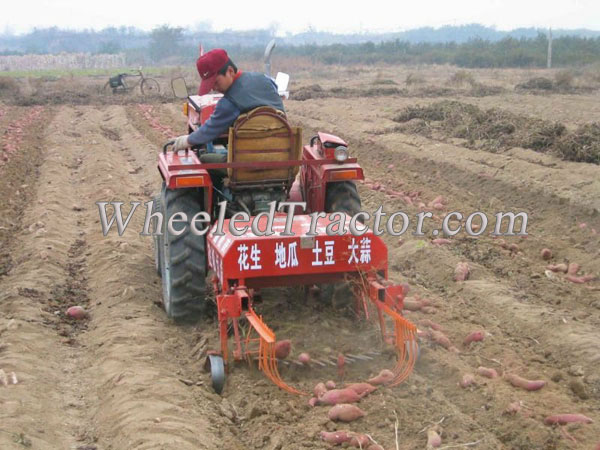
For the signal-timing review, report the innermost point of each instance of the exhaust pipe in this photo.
(267, 57)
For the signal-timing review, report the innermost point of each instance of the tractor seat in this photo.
(215, 158)
(263, 135)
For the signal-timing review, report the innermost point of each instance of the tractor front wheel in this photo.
(183, 264)
(343, 197)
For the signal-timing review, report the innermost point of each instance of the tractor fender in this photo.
(182, 170)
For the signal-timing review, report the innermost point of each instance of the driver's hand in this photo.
(181, 142)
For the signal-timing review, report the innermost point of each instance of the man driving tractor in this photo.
(242, 92)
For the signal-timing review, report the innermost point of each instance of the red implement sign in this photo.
(251, 256)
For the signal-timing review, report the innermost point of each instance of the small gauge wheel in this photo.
(215, 365)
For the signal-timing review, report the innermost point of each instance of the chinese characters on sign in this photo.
(286, 254)
(364, 251)
(328, 257)
(281, 260)
(249, 262)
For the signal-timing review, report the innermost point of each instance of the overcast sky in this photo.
(338, 16)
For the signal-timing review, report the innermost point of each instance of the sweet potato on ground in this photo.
(439, 199)
(467, 380)
(319, 389)
(528, 385)
(440, 338)
(430, 324)
(362, 389)
(412, 304)
(384, 377)
(335, 396)
(335, 437)
(462, 271)
(283, 348)
(475, 336)
(360, 441)
(558, 267)
(573, 268)
(76, 312)
(345, 412)
(580, 280)
(304, 358)
(563, 419)
(433, 438)
(487, 372)
(423, 334)
(429, 309)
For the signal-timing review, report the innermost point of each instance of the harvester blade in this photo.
(405, 342)
(266, 353)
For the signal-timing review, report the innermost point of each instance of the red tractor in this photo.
(226, 195)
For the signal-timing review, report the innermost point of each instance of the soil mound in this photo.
(581, 145)
(495, 129)
(308, 92)
(537, 83)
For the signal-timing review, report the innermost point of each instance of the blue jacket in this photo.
(250, 90)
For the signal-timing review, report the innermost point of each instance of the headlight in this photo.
(340, 153)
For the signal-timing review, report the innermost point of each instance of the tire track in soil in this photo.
(46, 409)
(147, 355)
(18, 178)
(111, 382)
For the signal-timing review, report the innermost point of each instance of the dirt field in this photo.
(126, 377)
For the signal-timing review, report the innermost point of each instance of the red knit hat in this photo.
(208, 66)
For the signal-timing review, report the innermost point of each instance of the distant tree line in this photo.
(464, 46)
(508, 52)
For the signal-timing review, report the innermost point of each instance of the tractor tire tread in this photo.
(157, 207)
(187, 261)
(342, 197)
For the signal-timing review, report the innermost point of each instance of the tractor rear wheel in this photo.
(340, 197)
(158, 238)
(184, 259)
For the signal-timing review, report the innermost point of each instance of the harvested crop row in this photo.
(13, 136)
(148, 113)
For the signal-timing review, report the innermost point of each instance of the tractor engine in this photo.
(254, 201)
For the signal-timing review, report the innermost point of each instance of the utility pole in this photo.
(549, 62)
